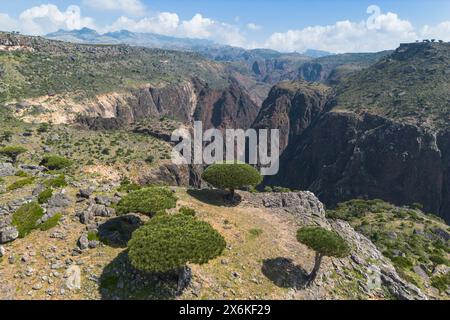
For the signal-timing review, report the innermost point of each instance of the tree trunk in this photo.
(232, 193)
(312, 276)
(184, 277)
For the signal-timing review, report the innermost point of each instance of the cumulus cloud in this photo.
(440, 31)
(164, 23)
(379, 32)
(131, 7)
(253, 26)
(7, 23)
(48, 18)
(168, 23)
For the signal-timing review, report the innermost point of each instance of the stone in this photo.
(85, 193)
(85, 216)
(73, 278)
(7, 169)
(420, 270)
(37, 286)
(8, 234)
(83, 242)
(59, 200)
(2, 251)
(94, 244)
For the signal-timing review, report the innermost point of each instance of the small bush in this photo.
(43, 127)
(45, 195)
(281, 189)
(150, 159)
(57, 182)
(437, 260)
(51, 222)
(402, 263)
(53, 162)
(26, 217)
(21, 174)
(93, 236)
(441, 282)
(148, 201)
(127, 186)
(12, 151)
(268, 189)
(255, 232)
(188, 211)
(20, 184)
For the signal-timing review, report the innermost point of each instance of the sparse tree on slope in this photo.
(325, 243)
(168, 242)
(231, 176)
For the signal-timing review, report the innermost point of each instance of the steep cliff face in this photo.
(291, 107)
(345, 156)
(230, 107)
(376, 137)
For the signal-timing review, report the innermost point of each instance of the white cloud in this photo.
(253, 26)
(168, 23)
(48, 18)
(7, 23)
(164, 23)
(131, 7)
(379, 32)
(440, 31)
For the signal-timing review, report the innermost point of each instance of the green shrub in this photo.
(21, 174)
(169, 242)
(268, 189)
(51, 222)
(148, 201)
(20, 184)
(402, 263)
(188, 211)
(93, 236)
(127, 186)
(438, 259)
(441, 283)
(45, 195)
(43, 127)
(281, 189)
(54, 162)
(57, 182)
(150, 159)
(417, 206)
(231, 176)
(25, 218)
(255, 232)
(12, 151)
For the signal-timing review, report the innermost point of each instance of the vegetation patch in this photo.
(45, 195)
(20, 184)
(26, 217)
(147, 201)
(54, 162)
(12, 151)
(57, 182)
(51, 222)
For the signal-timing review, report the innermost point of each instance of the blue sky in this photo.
(286, 25)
